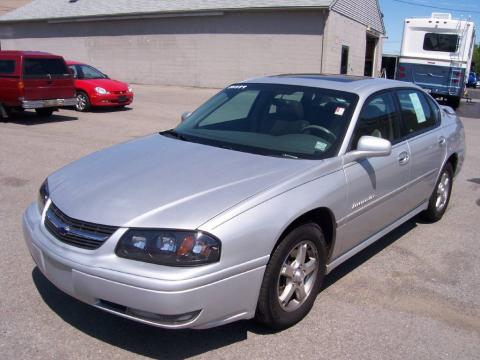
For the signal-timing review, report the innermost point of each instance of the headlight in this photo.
(169, 247)
(43, 195)
(130, 89)
(101, 90)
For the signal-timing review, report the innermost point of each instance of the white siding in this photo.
(366, 12)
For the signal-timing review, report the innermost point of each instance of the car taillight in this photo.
(21, 85)
(401, 72)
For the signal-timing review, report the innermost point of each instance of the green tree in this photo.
(476, 58)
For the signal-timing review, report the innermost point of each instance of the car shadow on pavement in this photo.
(30, 118)
(176, 344)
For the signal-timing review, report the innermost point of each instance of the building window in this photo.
(344, 61)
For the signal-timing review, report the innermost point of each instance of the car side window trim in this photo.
(402, 122)
(396, 122)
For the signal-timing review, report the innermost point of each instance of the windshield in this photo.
(88, 72)
(272, 119)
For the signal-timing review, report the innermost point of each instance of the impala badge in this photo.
(363, 202)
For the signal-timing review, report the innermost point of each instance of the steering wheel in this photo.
(322, 129)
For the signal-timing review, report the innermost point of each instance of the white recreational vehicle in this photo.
(436, 54)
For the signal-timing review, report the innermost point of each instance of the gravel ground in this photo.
(415, 294)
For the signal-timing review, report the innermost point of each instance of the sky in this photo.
(395, 11)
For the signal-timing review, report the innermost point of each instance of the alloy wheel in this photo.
(81, 102)
(297, 276)
(443, 191)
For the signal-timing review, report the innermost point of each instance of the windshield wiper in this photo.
(172, 133)
(289, 156)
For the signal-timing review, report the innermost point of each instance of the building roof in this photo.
(71, 9)
(9, 5)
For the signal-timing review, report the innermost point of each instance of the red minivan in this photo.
(34, 80)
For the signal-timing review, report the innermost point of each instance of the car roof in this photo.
(361, 85)
(27, 53)
(70, 62)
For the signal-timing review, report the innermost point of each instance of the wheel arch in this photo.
(453, 160)
(324, 218)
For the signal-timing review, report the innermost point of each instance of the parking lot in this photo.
(415, 294)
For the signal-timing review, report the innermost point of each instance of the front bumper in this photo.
(55, 103)
(196, 302)
(111, 99)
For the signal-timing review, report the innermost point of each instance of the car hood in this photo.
(107, 84)
(158, 181)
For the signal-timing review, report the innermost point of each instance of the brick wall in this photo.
(203, 51)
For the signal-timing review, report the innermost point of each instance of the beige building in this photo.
(206, 43)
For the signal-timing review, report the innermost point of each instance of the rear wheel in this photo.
(44, 112)
(83, 102)
(293, 278)
(440, 197)
(453, 102)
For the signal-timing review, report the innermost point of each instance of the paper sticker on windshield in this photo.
(417, 106)
(339, 111)
(320, 146)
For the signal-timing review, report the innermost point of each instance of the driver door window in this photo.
(378, 118)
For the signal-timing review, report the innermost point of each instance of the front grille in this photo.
(76, 232)
(119, 92)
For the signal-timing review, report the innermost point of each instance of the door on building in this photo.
(370, 55)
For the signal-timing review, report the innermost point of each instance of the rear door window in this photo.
(417, 115)
(7, 66)
(44, 67)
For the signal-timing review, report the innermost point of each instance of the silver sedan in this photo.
(241, 210)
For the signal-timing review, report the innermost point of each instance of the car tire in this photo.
(454, 102)
(44, 112)
(437, 205)
(293, 278)
(83, 102)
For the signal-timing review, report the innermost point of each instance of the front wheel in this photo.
(83, 102)
(440, 197)
(293, 278)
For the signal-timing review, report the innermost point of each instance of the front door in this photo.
(375, 185)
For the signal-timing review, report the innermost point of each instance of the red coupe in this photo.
(94, 88)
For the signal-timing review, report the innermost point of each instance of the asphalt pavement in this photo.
(414, 294)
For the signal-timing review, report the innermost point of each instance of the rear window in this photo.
(7, 66)
(440, 42)
(39, 67)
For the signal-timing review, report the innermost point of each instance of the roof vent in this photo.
(440, 16)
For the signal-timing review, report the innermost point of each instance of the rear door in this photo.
(421, 127)
(47, 78)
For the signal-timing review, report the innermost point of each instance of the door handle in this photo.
(403, 158)
(442, 140)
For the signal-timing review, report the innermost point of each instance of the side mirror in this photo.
(185, 115)
(369, 146)
(72, 73)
